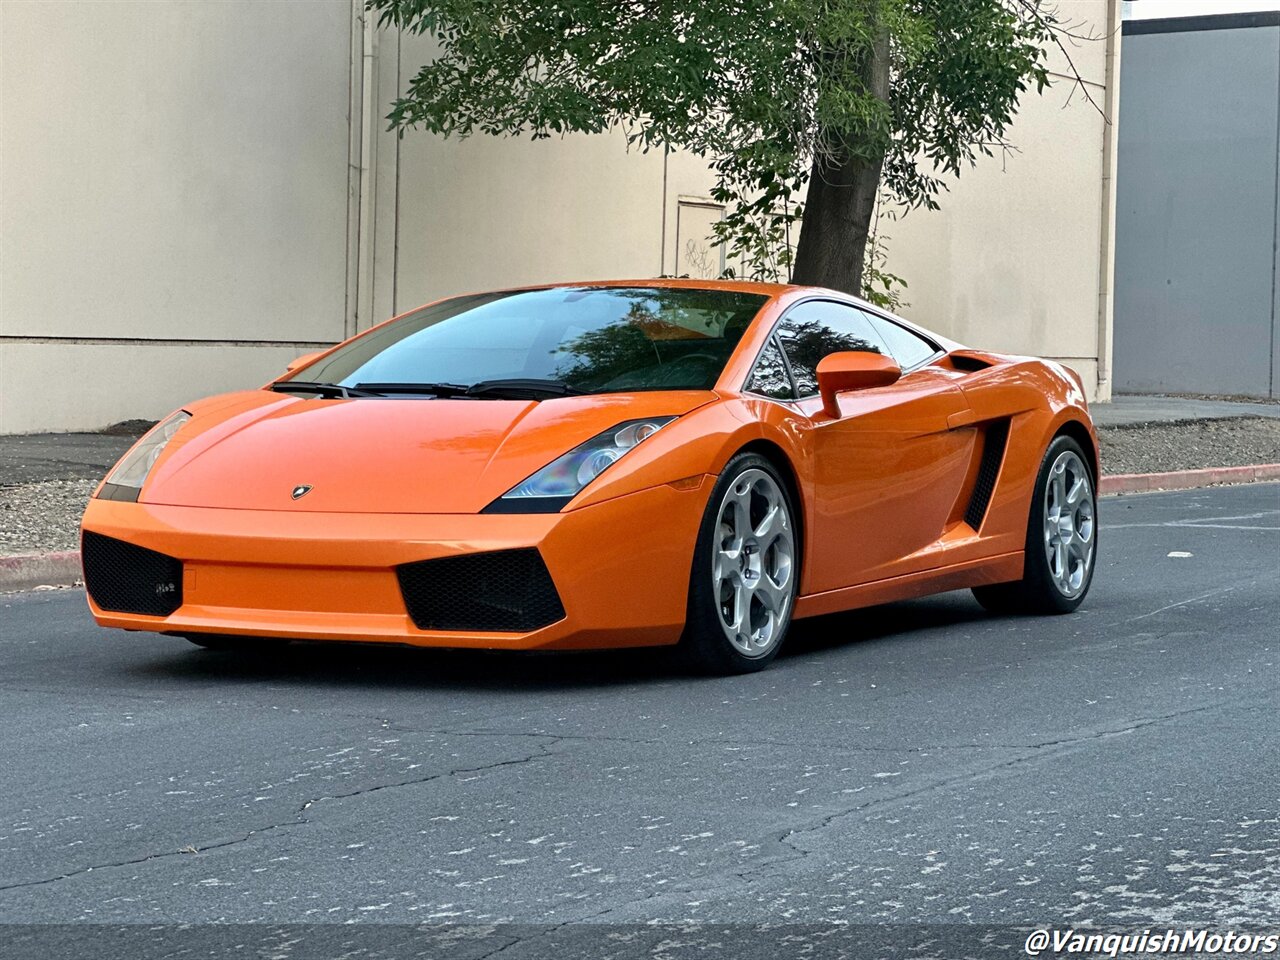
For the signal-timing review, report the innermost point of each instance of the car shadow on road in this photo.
(890, 621)
(346, 665)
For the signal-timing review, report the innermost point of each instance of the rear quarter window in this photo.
(907, 348)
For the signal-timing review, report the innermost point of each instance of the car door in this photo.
(888, 471)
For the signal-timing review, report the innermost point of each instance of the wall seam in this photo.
(1275, 226)
(395, 212)
(355, 121)
(662, 258)
(366, 246)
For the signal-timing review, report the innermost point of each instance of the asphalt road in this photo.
(921, 763)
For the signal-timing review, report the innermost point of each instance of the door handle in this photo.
(965, 418)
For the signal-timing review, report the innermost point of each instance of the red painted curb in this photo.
(1187, 479)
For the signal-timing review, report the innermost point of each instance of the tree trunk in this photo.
(837, 220)
(840, 202)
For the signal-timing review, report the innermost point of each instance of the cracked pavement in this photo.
(923, 762)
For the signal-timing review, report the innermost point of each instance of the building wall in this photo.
(483, 212)
(192, 193)
(1019, 257)
(1197, 207)
(166, 180)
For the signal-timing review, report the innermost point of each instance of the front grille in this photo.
(993, 444)
(505, 591)
(125, 578)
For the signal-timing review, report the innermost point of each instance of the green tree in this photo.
(808, 110)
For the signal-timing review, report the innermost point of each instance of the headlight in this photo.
(564, 478)
(125, 481)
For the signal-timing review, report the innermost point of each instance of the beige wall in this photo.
(61, 385)
(1019, 257)
(191, 193)
(484, 212)
(194, 192)
(166, 173)
(172, 174)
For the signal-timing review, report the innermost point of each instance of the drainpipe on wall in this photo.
(1106, 239)
(362, 158)
(355, 149)
(368, 165)
(373, 178)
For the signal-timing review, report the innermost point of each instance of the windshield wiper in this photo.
(435, 389)
(330, 390)
(524, 387)
(519, 388)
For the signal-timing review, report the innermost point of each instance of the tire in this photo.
(1061, 550)
(746, 570)
(236, 644)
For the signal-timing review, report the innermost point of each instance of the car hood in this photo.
(252, 450)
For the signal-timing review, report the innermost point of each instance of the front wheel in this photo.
(1062, 539)
(746, 570)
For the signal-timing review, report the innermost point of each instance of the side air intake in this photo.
(971, 361)
(125, 578)
(994, 441)
(501, 591)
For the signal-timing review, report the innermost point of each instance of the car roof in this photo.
(770, 290)
(675, 283)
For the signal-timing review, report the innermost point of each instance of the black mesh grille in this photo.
(993, 444)
(130, 579)
(506, 591)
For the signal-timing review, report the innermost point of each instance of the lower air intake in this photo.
(125, 578)
(504, 591)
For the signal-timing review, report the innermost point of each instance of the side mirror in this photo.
(853, 370)
(301, 361)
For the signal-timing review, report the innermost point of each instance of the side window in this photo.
(906, 347)
(819, 327)
(770, 378)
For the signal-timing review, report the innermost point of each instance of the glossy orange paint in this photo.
(852, 370)
(297, 363)
(881, 474)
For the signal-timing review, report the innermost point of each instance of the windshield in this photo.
(590, 339)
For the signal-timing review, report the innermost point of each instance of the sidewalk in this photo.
(32, 458)
(1128, 411)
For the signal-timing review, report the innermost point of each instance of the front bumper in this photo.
(621, 569)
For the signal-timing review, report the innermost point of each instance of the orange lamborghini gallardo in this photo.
(603, 465)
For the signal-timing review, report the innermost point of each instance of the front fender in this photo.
(699, 444)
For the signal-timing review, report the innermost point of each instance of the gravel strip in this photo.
(44, 515)
(1189, 445)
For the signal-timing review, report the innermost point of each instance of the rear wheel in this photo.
(218, 641)
(1062, 539)
(746, 570)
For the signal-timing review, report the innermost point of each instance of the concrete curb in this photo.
(1187, 479)
(63, 569)
(39, 569)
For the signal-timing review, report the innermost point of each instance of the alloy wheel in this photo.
(1069, 523)
(753, 566)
